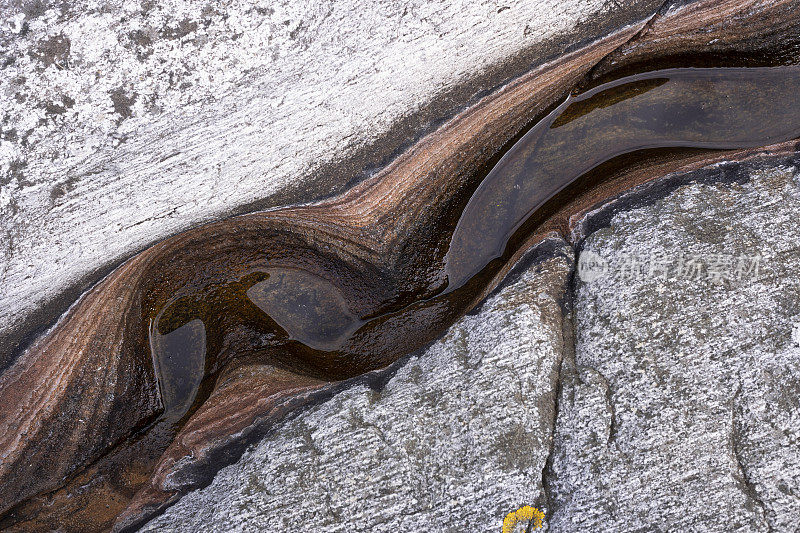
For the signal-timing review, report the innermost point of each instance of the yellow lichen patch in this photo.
(523, 513)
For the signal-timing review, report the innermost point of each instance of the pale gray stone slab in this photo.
(681, 410)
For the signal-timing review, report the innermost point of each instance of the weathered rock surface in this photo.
(681, 409)
(372, 247)
(455, 440)
(66, 215)
(125, 122)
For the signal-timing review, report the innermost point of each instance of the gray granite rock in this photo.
(681, 408)
(456, 439)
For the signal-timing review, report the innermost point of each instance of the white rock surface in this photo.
(125, 122)
(681, 411)
(456, 440)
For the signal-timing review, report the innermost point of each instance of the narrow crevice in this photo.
(723, 173)
(748, 487)
(612, 428)
(568, 332)
(568, 323)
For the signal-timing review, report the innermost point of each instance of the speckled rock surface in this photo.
(681, 409)
(456, 439)
(124, 122)
(679, 405)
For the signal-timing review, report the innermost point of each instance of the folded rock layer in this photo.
(377, 249)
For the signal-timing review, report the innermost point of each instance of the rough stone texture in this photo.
(382, 241)
(456, 439)
(125, 122)
(681, 409)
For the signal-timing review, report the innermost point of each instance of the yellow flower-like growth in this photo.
(523, 513)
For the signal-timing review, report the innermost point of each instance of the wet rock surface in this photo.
(125, 122)
(677, 406)
(681, 408)
(456, 439)
(102, 154)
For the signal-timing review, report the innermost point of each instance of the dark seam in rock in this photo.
(749, 488)
(569, 322)
(587, 79)
(568, 335)
(612, 429)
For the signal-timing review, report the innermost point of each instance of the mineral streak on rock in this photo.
(78, 391)
(373, 247)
